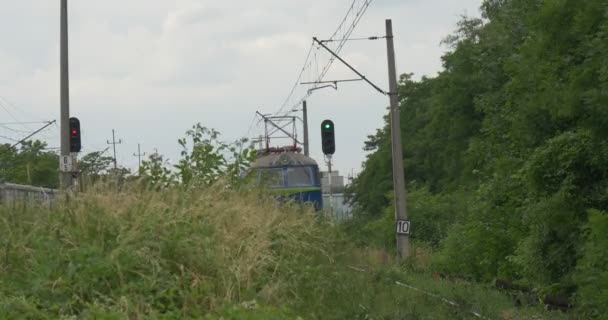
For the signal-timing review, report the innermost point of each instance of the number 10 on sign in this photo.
(403, 227)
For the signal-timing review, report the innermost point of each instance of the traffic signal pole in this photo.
(65, 177)
(403, 246)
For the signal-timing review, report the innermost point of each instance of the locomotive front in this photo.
(290, 176)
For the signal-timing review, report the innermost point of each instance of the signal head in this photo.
(75, 143)
(328, 140)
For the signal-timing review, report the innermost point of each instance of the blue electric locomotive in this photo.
(290, 175)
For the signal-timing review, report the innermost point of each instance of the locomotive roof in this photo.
(283, 159)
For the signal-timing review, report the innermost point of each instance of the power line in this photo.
(8, 138)
(347, 31)
(12, 105)
(351, 68)
(2, 104)
(14, 130)
(350, 9)
(355, 39)
(22, 140)
(341, 44)
(297, 82)
(251, 125)
(25, 122)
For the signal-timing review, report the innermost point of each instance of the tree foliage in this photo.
(31, 164)
(94, 163)
(514, 126)
(204, 160)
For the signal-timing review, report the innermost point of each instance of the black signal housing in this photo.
(328, 138)
(75, 141)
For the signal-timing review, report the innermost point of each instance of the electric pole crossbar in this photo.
(114, 143)
(139, 155)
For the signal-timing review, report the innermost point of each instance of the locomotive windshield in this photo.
(290, 177)
(299, 177)
(272, 177)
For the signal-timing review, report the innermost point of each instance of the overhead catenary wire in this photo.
(3, 106)
(4, 103)
(29, 136)
(24, 122)
(347, 31)
(8, 138)
(20, 110)
(341, 44)
(297, 82)
(15, 130)
(351, 68)
(356, 39)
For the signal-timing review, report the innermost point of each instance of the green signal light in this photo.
(328, 126)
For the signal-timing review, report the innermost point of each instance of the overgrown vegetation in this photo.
(507, 148)
(209, 253)
(507, 167)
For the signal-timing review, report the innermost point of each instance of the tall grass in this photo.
(211, 253)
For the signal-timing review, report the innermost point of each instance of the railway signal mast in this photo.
(328, 144)
(70, 127)
(402, 224)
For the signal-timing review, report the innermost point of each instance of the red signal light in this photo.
(74, 131)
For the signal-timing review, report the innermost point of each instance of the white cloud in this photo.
(151, 69)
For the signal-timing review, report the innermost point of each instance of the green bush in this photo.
(431, 217)
(591, 274)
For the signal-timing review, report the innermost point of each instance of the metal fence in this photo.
(12, 194)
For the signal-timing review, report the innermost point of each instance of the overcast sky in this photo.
(150, 69)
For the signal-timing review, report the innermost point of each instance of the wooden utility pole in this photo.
(402, 223)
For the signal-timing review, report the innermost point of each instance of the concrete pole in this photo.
(403, 247)
(305, 119)
(65, 177)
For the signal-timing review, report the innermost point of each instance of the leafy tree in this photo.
(156, 172)
(515, 126)
(206, 159)
(591, 275)
(94, 163)
(29, 165)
